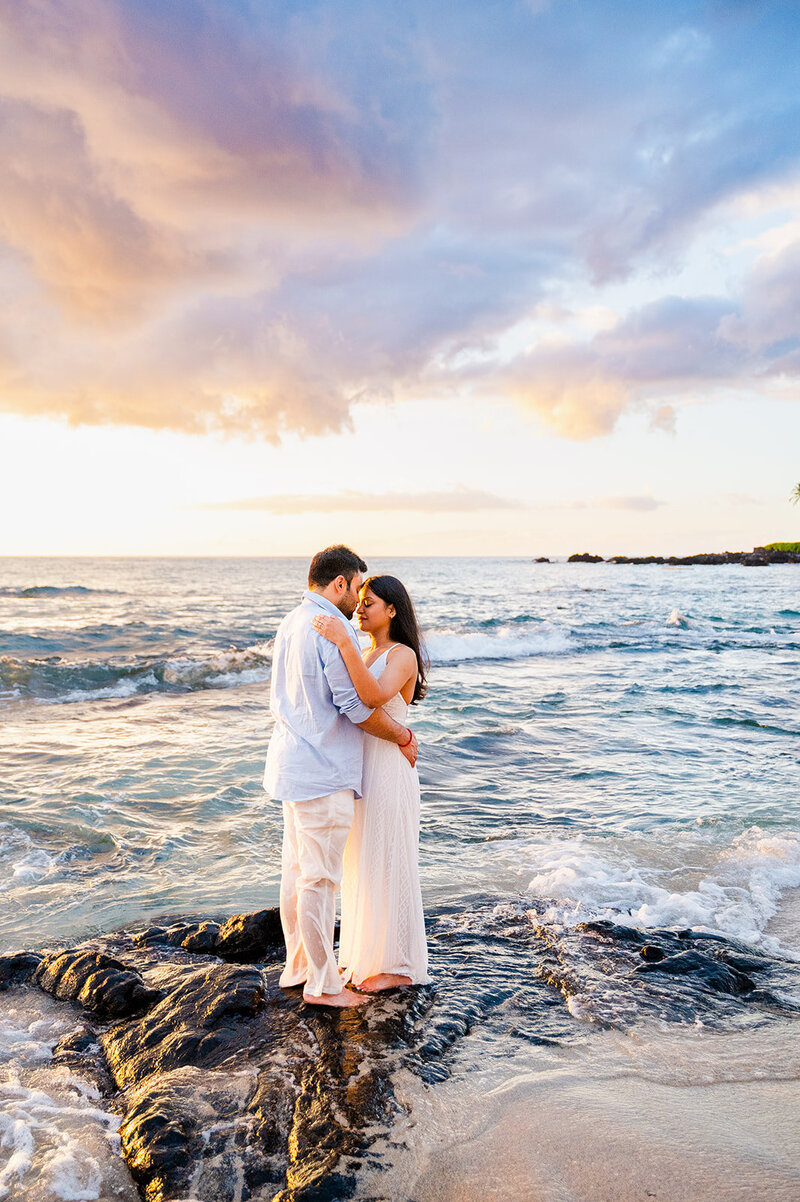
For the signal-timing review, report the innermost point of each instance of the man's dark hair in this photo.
(332, 562)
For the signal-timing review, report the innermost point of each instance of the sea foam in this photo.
(733, 889)
(58, 1144)
(448, 647)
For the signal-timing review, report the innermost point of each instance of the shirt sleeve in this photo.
(345, 697)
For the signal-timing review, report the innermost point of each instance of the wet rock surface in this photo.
(243, 938)
(194, 1022)
(79, 1051)
(231, 1088)
(16, 969)
(100, 983)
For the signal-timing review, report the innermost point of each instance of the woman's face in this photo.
(373, 614)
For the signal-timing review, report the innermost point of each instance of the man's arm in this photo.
(382, 726)
(348, 702)
(343, 693)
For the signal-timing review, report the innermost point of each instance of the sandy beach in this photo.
(623, 1140)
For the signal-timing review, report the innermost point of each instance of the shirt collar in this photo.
(323, 603)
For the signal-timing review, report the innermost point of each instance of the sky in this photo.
(514, 278)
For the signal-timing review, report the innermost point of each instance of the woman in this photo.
(382, 942)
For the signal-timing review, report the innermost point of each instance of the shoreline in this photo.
(617, 1139)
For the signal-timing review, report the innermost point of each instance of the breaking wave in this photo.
(52, 590)
(446, 647)
(732, 889)
(54, 680)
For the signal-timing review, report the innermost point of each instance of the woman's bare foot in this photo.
(339, 1001)
(383, 980)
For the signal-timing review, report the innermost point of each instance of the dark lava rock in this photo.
(744, 963)
(204, 940)
(242, 1083)
(157, 1142)
(80, 1052)
(248, 938)
(100, 983)
(178, 934)
(542, 559)
(755, 561)
(651, 954)
(723, 978)
(759, 557)
(194, 1024)
(173, 1124)
(151, 937)
(243, 938)
(773, 555)
(637, 559)
(585, 558)
(16, 969)
(613, 931)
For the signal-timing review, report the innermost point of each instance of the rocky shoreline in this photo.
(759, 557)
(231, 1088)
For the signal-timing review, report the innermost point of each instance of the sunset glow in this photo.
(516, 279)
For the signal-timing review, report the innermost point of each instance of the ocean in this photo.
(600, 743)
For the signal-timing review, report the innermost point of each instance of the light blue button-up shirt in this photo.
(316, 747)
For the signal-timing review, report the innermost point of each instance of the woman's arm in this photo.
(401, 664)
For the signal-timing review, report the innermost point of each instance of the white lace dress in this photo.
(383, 928)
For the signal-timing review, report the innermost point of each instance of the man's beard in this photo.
(347, 606)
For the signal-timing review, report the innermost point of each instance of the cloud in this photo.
(666, 347)
(457, 500)
(636, 504)
(248, 216)
(768, 320)
(676, 347)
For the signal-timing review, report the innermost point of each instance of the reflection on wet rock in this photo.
(101, 984)
(195, 1023)
(243, 938)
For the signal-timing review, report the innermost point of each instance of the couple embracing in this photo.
(342, 762)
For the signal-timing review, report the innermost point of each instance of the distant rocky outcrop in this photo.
(759, 557)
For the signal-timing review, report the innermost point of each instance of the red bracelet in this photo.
(408, 740)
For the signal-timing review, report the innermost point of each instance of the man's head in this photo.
(337, 573)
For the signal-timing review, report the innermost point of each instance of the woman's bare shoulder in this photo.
(400, 654)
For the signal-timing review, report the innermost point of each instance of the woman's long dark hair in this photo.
(403, 627)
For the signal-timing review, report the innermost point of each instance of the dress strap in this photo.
(383, 655)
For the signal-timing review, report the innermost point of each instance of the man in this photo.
(314, 764)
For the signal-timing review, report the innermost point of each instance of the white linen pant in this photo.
(314, 835)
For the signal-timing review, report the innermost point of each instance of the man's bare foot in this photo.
(338, 1001)
(383, 980)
